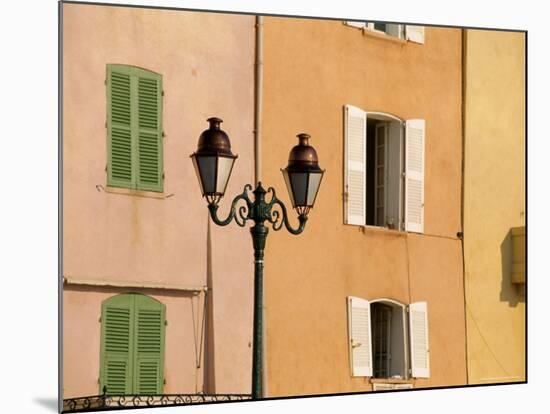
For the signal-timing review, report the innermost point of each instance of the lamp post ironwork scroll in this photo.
(213, 163)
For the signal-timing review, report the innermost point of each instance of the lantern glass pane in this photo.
(224, 171)
(314, 181)
(299, 185)
(289, 187)
(194, 158)
(207, 166)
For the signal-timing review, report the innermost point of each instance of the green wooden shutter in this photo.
(117, 331)
(149, 349)
(119, 127)
(134, 128)
(149, 134)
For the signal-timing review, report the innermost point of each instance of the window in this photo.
(132, 345)
(384, 170)
(408, 32)
(134, 128)
(388, 338)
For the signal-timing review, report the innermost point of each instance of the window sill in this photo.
(383, 36)
(136, 193)
(382, 230)
(390, 381)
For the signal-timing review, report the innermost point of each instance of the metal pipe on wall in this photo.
(258, 95)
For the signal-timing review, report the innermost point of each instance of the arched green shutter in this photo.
(117, 331)
(149, 349)
(132, 345)
(134, 128)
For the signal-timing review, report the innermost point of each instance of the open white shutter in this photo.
(355, 131)
(359, 329)
(414, 33)
(360, 25)
(414, 175)
(420, 349)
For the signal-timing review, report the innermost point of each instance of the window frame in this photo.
(409, 209)
(400, 29)
(394, 304)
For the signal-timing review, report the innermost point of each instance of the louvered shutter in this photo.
(120, 159)
(420, 349)
(359, 331)
(117, 345)
(149, 345)
(355, 132)
(414, 33)
(414, 175)
(149, 130)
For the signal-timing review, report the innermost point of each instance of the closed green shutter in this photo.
(119, 127)
(117, 331)
(149, 352)
(132, 345)
(134, 128)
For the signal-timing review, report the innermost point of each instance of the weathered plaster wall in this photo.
(312, 69)
(494, 202)
(206, 61)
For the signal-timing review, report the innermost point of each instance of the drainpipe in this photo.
(258, 94)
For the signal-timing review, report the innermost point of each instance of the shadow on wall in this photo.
(509, 292)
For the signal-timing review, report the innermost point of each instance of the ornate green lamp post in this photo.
(213, 163)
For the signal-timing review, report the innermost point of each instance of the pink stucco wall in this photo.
(206, 61)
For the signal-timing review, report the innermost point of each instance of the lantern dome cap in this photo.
(214, 140)
(303, 156)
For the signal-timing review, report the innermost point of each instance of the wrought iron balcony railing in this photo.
(109, 402)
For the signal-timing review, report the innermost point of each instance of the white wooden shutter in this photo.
(355, 165)
(414, 175)
(359, 329)
(414, 33)
(420, 349)
(360, 25)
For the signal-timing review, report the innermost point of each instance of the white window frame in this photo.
(406, 341)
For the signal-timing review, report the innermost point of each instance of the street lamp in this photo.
(213, 163)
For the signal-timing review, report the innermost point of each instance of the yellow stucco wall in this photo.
(494, 202)
(312, 69)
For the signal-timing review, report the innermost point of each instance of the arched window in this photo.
(388, 338)
(132, 345)
(384, 170)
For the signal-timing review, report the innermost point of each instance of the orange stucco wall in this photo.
(206, 61)
(312, 69)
